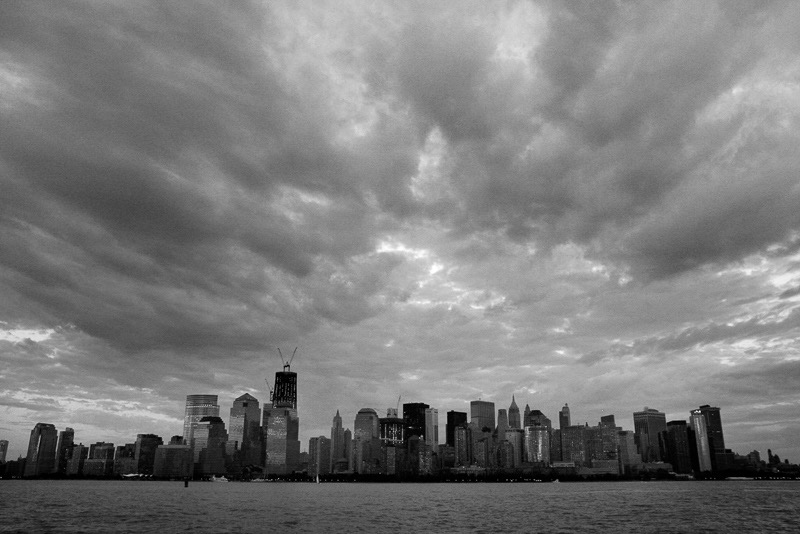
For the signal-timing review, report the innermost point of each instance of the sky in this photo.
(592, 203)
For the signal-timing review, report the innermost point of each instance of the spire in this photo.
(513, 403)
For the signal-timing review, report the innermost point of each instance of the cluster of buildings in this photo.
(258, 443)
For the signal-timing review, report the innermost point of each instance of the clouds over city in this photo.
(595, 203)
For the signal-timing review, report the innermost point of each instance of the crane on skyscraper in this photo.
(287, 363)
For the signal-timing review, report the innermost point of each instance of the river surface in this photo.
(140, 506)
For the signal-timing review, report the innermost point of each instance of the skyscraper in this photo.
(513, 415)
(564, 419)
(3, 450)
(66, 439)
(716, 440)
(337, 440)
(502, 424)
(676, 443)
(414, 419)
(367, 429)
(244, 433)
(454, 420)
(41, 457)
(282, 426)
(197, 407)
(209, 446)
(537, 444)
(432, 428)
(482, 413)
(698, 422)
(648, 426)
(319, 456)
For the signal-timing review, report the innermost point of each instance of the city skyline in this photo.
(585, 203)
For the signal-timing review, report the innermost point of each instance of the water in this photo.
(136, 506)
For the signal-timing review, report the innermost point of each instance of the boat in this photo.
(215, 478)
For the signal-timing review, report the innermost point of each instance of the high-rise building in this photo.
(716, 439)
(676, 445)
(454, 420)
(145, 452)
(698, 422)
(197, 407)
(77, 460)
(482, 413)
(210, 438)
(513, 414)
(125, 459)
(337, 441)
(66, 440)
(648, 426)
(536, 417)
(244, 431)
(174, 460)
(515, 437)
(537, 444)
(564, 419)
(100, 462)
(3, 450)
(629, 458)
(319, 456)
(414, 419)
(573, 444)
(432, 428)
(367, 429)
(41, 459)
(502, 424)
(282, 425)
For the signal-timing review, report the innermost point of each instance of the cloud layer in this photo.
(593, 203)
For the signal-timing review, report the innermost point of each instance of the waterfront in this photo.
(137, 506)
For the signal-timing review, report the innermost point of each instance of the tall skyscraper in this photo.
(513, 415)
(432, 428)
(414, 419)
(319, 456)
(537, 444)
(66, 439)
(536, 417)
(282, 426)
(502, 424)
(564, 419)
(41, 459)
(337, 440)
(367, 429)
(482, 413)
(698, 422)
(648, 426)
(716, 440)
(244, 430)
(676, 443)
(197, 407)
(210, 437)
(454, 420)
(3, 450)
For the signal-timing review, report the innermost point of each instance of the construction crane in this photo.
(287, 363)
(271, 391)
(397, 409)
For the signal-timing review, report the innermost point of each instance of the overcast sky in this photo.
(596, 204)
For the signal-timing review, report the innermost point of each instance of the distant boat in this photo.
(317, 478)
(219, 479)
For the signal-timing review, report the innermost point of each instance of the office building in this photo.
(77, 459)
(648, 426)
(244, 431)
(432, 428)
(537, 444)
(337, 441)
(367, 429)
(482, 414)
(454, 420)
(173, 461)
(716, 439)
(145, 452)
(513, 415)
(125, 460)
(319, 456)
(3, 450)
(210, 438)
(41, 458)
(282, 425)
(564, 419)
(698, 422)
(66, 440)
(414, 419)
(197, 407)
(502, 424)
(676, 447)
(536, 417)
